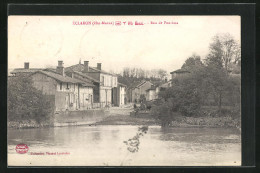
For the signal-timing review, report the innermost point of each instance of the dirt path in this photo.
(121, 116)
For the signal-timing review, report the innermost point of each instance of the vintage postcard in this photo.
(124, 91)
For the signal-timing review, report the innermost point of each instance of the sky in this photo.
(165, 44)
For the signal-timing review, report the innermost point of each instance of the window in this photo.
(67, 85)
(60, 86)
(103, 80)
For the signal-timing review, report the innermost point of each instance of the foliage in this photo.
(142, 98)
(26, 102)
(206, 84)
(224, 51)
(137, 74)
(133, 143)
(192, 63)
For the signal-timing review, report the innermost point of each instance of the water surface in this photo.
(104, 146)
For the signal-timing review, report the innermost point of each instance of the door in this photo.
(67, 101)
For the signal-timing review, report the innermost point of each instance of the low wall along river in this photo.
(82, 117)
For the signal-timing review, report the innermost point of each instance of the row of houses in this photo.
(80, 86)
(150, 91)
(76, 87)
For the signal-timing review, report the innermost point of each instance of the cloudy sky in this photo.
(43, 40)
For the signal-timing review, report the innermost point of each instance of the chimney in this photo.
(85, 66)
(60, 68)
(99, 66)
(26, 65)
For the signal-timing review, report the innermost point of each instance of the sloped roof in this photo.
(121, 84)
(80, 68)
(59, 77)
(87, 82)
(153, 87)
(23, 70)
(165, 85)
(180, 71)
(138, 84)
(86, 76)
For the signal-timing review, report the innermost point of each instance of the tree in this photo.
(192, 63)
(224, 50)
(162, 73)
(26, 102)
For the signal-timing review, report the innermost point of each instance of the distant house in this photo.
(105, 83)
(69, 93)
(24, 71)
(138, 89)
(179, 73)
(152, 93)
(165, 85)
(121, 94)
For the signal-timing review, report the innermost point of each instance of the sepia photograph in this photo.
(124, 90)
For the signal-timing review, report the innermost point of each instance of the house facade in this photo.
(105, 83)
(152, 93)
(26, 71)
(69, 93)
(179, 73)
(120, 95)
(137, 90)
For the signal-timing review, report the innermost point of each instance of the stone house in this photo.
(69, 93)
(152, 93)
(24, 71)
(137, 90)
(121, 95)
(105, 83)
(178, 73)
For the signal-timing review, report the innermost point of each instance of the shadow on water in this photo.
(133, 143)
(200, 135)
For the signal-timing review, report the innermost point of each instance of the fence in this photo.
(97, 105)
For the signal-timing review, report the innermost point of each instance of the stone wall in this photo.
(83, 117)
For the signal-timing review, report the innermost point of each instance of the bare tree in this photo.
(224, 50)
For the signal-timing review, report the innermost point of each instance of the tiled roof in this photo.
(59, 77)
(138, 84)
(86, 76)
(76, 67)
(166, 84)
(180, 71)
(80, 68)
(23, 70)
(87, 82)
(152, 88)
(102, 71)
(121, 84)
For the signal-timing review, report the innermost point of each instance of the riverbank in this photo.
(27, 124)
(213, 122)
(63, 118)
(121, 116)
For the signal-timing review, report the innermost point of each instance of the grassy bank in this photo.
(206, 121)
(127, 120)
(179, 121)
(27, 124)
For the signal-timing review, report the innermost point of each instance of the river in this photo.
(104, 146)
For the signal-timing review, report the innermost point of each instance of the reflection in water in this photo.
(103, 146)
(133, 143)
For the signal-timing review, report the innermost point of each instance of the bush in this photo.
(26, 102)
